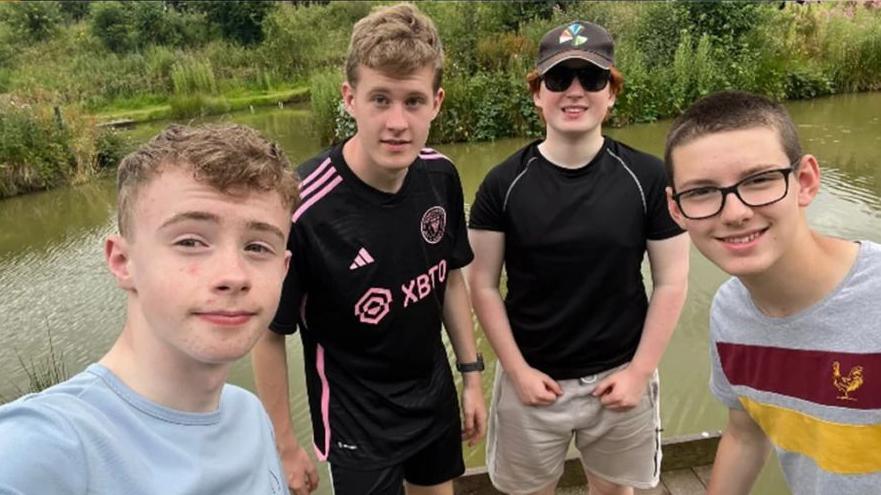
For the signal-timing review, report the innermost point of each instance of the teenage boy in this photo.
(571, 217)
(794, 339)
(203, 221)
(379, 243)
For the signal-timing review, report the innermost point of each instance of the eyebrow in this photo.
(756, 169)
(204, 216)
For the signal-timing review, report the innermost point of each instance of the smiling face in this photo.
(203, 269)
(574, 111)
(393, 115)
(743, 240)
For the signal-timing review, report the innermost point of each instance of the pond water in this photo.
(54, 281)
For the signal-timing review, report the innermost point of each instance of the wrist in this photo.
(471, 367)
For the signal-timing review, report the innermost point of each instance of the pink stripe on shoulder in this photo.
(432, 154)
(325, 403)
(315, 197)
(306, 191)
(315, 173)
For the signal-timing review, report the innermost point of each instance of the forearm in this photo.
(739, 459)
(458, 323)
(493, 318)
(661, 318)
(269, 361)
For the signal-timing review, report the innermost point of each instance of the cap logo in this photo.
(571, 34)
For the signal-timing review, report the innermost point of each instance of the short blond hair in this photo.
(229, 158)
(396, 40)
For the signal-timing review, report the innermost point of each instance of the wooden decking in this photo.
(685, 470)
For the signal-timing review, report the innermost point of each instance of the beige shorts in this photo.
(527, 445)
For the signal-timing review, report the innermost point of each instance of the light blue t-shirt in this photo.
(94, 435)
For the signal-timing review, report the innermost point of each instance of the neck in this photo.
(816, 266)
(571, 151)
(164, 376)
(356, 157)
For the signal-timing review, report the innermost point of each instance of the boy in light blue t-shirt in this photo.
(204, 215)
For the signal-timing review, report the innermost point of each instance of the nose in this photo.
(232, 271)
(734, 211)
(395, 119)
(575, 90)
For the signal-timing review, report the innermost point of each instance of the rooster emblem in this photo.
(849, 383)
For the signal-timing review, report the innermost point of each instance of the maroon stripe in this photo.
(807, 375)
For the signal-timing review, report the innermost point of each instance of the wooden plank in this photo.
(703, 473)
(683, 482)
(689, 451)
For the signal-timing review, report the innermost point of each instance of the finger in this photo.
(602, 388)
(469, 421)
(551, 385)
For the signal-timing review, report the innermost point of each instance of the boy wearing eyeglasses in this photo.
(794, 340)
(571, 217)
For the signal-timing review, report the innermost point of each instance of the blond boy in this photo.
(200, 254)
(379, 242)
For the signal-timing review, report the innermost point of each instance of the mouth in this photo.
(574, 111)
(395, 144)
(743, 239)
(226, 318)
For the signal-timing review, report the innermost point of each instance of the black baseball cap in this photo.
(579, 40)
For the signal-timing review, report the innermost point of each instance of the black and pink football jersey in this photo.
(366, 289)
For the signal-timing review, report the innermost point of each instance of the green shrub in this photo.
(331, 122)
(33, 21)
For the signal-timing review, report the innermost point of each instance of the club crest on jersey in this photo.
(373, 305)
(434, 221)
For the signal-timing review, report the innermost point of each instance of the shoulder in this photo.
(732, 298)
(639, 162)
(241, 401)
(321, 160)
(513, 166)
(434, 162)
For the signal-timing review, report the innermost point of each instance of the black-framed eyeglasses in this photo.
(761, 189)
(592, 78)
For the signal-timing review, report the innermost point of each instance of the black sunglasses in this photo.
(592, 78)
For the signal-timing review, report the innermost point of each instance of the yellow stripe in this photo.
(835, 447)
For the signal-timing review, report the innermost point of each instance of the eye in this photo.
(380, 100)
(699, 193)
(190, 242)
(761, 180)
(415, 101)
(259, 248)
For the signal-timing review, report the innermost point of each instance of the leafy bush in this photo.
(33, 21)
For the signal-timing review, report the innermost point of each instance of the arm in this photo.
(269, 359)
(457, 321)
(533, 386)
(669, 264)
(741, 455)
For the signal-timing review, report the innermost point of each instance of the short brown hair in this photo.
(731, 111)
(616, 85)
(398, 40)
(226, 157)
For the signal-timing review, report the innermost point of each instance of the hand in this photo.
(622, 390)
(535, 388)
(473, 413)
(300, 470)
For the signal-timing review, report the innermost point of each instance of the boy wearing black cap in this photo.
(571, 217)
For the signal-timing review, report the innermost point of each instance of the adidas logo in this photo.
(363, 258)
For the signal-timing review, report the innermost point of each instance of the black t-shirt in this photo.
(366, 288)
(574, 243)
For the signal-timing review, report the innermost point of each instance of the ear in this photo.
(287, 260)
(807, 179)
(438, 101)
(673, 208)
(348, 93)
(116, 254)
